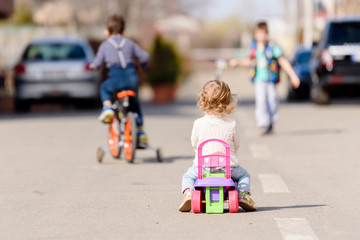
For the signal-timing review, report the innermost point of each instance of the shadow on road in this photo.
(250, 102)
(311, 132)
(184, 108)
(263, 209)
(178, 108)
(170, 159)
(346, 101)
(41, 115)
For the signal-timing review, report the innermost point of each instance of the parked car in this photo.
(335, 63)
(301, 65)
(55, 68)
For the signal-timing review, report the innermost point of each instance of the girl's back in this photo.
(219, 127)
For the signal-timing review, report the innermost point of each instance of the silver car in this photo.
(55, 68)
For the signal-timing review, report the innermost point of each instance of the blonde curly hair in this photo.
(215, 98)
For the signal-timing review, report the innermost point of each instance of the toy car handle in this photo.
(227, 148)
(201, 157)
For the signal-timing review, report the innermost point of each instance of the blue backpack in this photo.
(272, 62)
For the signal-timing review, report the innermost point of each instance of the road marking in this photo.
(260, 151)
(295, 229)
(273, 183)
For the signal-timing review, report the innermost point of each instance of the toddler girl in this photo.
(216, 101)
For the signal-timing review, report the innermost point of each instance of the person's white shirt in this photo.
(219, 127)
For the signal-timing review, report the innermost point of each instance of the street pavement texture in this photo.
(305, 177)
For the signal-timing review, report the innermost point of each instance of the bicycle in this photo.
(123, 133)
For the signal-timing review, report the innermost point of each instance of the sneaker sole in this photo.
(247, 207)
(186, 206)
(263, 133)
(107, 118)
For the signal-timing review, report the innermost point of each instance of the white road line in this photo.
(273, 183)
(260, 151)
(295, 229)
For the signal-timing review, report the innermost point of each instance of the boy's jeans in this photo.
(266, 104)
(238, 174)
(122, 79)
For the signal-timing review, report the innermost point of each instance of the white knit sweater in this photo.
(213, 126)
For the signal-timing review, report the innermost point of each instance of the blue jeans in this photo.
(238, 174)
(123, 79)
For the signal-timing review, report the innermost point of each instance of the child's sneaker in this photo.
(246, 202)
(266, 130)
(263, 131)
(185, 205)
(142, 138)
(106, 114)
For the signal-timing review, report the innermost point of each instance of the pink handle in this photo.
(201, 157)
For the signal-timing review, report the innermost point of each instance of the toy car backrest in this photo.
(214, 160)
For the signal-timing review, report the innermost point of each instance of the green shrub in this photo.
(165, 64)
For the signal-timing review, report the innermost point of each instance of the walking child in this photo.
(265, 59)
(119, 53)
(216, 101)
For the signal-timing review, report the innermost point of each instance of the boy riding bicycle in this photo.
(119, 53)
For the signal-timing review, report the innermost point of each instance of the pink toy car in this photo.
(212, 190)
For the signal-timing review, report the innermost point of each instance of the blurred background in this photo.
(195, 30)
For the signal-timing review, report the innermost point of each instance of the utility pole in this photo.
(335, 7)
(308, 23)
(293, 9)
(290, 16)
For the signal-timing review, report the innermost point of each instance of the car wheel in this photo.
(291, 95)
(90, 103)
(318, 94)
(22, 105)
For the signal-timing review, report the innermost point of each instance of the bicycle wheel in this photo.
(114, 138)
(130, 135)
(159, 157)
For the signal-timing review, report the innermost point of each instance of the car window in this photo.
(341, 33)
(54, 52)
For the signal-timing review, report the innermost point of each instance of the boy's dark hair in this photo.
(115, 24)
(262, 25)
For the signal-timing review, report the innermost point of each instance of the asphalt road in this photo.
(305, 177)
